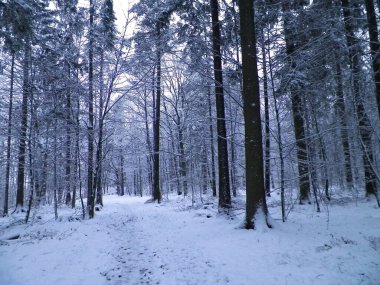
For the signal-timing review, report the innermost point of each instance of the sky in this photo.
(121, 11)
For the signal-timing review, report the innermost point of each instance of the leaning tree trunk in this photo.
(375, 47)
(26, 89)
(255, 188)
(9, 138)
(224, 181)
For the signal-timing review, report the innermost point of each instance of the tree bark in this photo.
(266, 122)
(68, 147)
(254, 160)
(182, 159)
(90, 128)
(297, 108)
(149, 158)
(26, 89)
(375, 47)
(212, 149)
(9, 138)
(340, 111)
(156, 122)
(224, 181)
(365, 129)
(99, 151)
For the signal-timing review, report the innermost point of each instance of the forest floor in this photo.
(175, 243)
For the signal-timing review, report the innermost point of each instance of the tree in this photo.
(106, 42)
(26, 91)
(292, 44)
(375, 47)
(90, 128)
(224, 181)
(256, 206)
(12, 45)
(364, 125)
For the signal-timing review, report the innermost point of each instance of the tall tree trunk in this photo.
(90, 128)
(182, 159)
(279, 138)
(9, 138)
(99, 150)
(323, 155)
(26, 89)
(266, 122)
(41, 195)
(33, 153)
(174, 165)
(55, 162)
(204, 168)
(122, 178)
(297, 108)
(232, 148)
(224, 181)
(68, 179)
(212, 149)
(148, 144)
(255, 188)
(340, 111)
(156, 122)
(375, 47)
(365, 129)
(77, 149)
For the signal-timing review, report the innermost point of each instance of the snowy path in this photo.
(130, 242)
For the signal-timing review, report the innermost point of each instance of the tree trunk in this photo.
(266, 122)
(68, 147)
(9, 138)
(122, 179)
(212, 149)
(156, 123)
(90, 128)
(224, 181)
(149, 145)
(182, 159)
(26, 89)
(55, 162)
(375, 47)
(232, 148)
(254, 160)
(279, 139)
(365, 129)
(297, 108)
(77, 149)
(340, 111)
(99, 151)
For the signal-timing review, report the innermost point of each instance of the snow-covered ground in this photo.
(130, 242)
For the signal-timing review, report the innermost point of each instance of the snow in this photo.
(131, 242)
